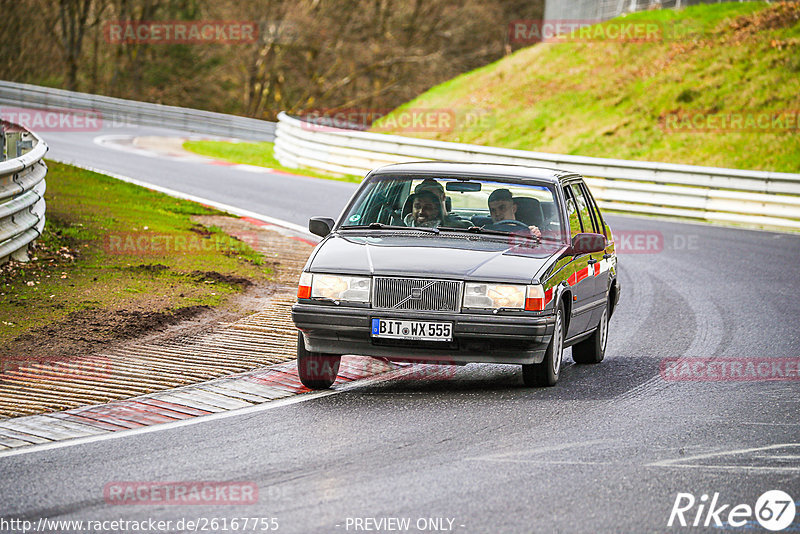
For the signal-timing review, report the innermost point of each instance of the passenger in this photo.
(503, 209)
(428, 208)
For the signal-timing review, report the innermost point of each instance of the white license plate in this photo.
(413, 330)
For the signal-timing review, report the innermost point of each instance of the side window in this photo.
(583, 210)
(599, 222)
(572, 212)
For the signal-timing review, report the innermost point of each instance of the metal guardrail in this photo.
(22, 204)
(118, 111)
(590, 11)
(731, 196)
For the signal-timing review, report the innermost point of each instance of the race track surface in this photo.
(606, 450)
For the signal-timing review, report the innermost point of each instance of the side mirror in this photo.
(320, 226)
(588, 243)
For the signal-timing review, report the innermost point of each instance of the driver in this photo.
(502, 208)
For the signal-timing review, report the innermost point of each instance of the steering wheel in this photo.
(508, 225)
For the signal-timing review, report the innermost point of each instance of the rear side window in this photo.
(572, 212)
(583, 210)
(594, 210)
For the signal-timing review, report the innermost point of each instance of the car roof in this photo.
(450, 168)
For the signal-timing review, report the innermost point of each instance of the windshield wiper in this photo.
(381, 226)
(480, 230)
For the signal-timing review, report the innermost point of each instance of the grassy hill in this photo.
(631, 100)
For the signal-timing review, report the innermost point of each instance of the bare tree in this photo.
(73, 22)
(373, 54)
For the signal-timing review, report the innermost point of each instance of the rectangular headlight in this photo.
(341, 288)
(491, 296)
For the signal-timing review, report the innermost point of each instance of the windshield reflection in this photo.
(487, 207)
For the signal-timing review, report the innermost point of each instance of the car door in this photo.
(598, 270)
(580, 282)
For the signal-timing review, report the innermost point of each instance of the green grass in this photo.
(260, 154)
(610, 99)
(110, 246)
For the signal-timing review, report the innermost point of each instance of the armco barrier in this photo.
(119, 112)
(731, 196)
(22, 203)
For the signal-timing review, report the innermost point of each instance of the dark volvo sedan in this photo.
(455, 263)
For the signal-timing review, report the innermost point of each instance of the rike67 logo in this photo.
(774, 510)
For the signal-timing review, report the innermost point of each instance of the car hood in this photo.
(465, 257)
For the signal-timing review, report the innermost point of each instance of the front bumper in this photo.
(477, 338)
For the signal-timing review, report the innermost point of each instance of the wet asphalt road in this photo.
(606, 450)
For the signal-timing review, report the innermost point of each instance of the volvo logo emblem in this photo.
(416, 294)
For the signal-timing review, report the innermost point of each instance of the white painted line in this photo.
(542, 462)
(731, 467)
(185, 196)
(294, 399)
(684, 461)
(112, 141)
(725, 453)
(768, 424)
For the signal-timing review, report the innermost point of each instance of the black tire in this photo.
(593, 349)
(546, 374)
(316, 370)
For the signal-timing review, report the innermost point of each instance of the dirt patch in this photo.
(94, 356)
(213, 277)
(87, 331)
(152, 268)
(90, 331)
(202, 230)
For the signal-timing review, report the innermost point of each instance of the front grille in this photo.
(430, 295)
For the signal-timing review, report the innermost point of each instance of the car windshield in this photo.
(478, 205)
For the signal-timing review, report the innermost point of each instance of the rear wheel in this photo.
(547, 372)
(316, 370)
(593, 349)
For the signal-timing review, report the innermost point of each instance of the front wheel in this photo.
(593, 349)
(316, 370)
(547, 372)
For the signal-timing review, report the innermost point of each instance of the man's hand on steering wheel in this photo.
(507, 225)
(515, 227)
